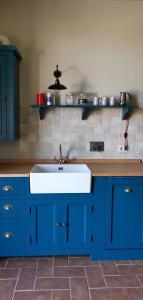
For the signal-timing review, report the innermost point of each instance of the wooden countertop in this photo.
(21, 168)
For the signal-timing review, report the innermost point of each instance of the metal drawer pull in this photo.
(7, 188)
(8, 235)
(7, 207)
(128, 190)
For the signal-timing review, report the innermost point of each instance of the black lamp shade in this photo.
(57, 85)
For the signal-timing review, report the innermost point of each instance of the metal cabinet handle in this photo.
(128, 190)
(61, 224)
(7, 207)
(8, 235)
(7, 188)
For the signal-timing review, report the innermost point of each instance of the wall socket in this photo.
(121, 148)
(97, 146)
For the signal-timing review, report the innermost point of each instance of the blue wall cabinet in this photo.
(9, 93)
(59, 224)
(124, 214)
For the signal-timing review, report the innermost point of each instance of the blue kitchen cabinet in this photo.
(14, 217)
(124, 213)
(61, 225)
(9, 93)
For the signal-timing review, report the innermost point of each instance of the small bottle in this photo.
(49, 98)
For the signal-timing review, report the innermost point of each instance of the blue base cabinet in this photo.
(104, 224)
(60, 225)
(124, 214)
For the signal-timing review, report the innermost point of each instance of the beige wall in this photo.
(98, 44)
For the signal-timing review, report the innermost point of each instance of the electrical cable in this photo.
(126, 145)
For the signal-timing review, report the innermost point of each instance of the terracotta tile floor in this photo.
(70, 278)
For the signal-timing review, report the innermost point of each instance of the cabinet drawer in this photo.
(12, 208)
(13, 237)
(12, 186)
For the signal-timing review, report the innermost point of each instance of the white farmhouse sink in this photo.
(56, 178)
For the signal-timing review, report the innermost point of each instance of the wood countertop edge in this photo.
(101, 168)
(84, 161)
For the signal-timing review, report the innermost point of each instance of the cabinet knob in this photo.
(7, 188)
(7, 207)
(59, 224)
(64, 224)
(128, 190)
(8, 235)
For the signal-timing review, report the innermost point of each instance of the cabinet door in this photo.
(78, 214)
(45, 225)
(125, 213)
(2, 97)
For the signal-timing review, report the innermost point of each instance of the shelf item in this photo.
(86, 108)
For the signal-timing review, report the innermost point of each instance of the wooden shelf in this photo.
(85, 108)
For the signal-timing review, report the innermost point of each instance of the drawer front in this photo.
(12, 187)
(13, 237)
(12, 208)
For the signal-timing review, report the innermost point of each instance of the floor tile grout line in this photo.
(8, 278)
(6, 263)
(116, 266)
(137, 276)
(102, 273)
(115, 287)
(58, 277)
(16, 284)
(37, 264)
(39, 290)
(70, 288)
(126, 293)
(87, 283)
(123, 275)
(53, 266)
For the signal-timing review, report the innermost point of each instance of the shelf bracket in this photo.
(84, 113)
(41, 112)
(126, 110)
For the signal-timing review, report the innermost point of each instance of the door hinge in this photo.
(30, 210)
(30, 239)
(91, 238)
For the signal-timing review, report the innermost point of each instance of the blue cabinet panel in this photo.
(9, 93)
(10, 208)
(125, 214)
(45, 225)
(13, 237)
(78, 220)
(3, 125)
(12, 187)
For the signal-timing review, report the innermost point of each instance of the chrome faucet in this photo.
(61, 159)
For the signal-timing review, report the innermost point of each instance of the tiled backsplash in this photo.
(41, 139)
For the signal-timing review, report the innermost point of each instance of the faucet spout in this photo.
(61, 159)
(60, 150)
